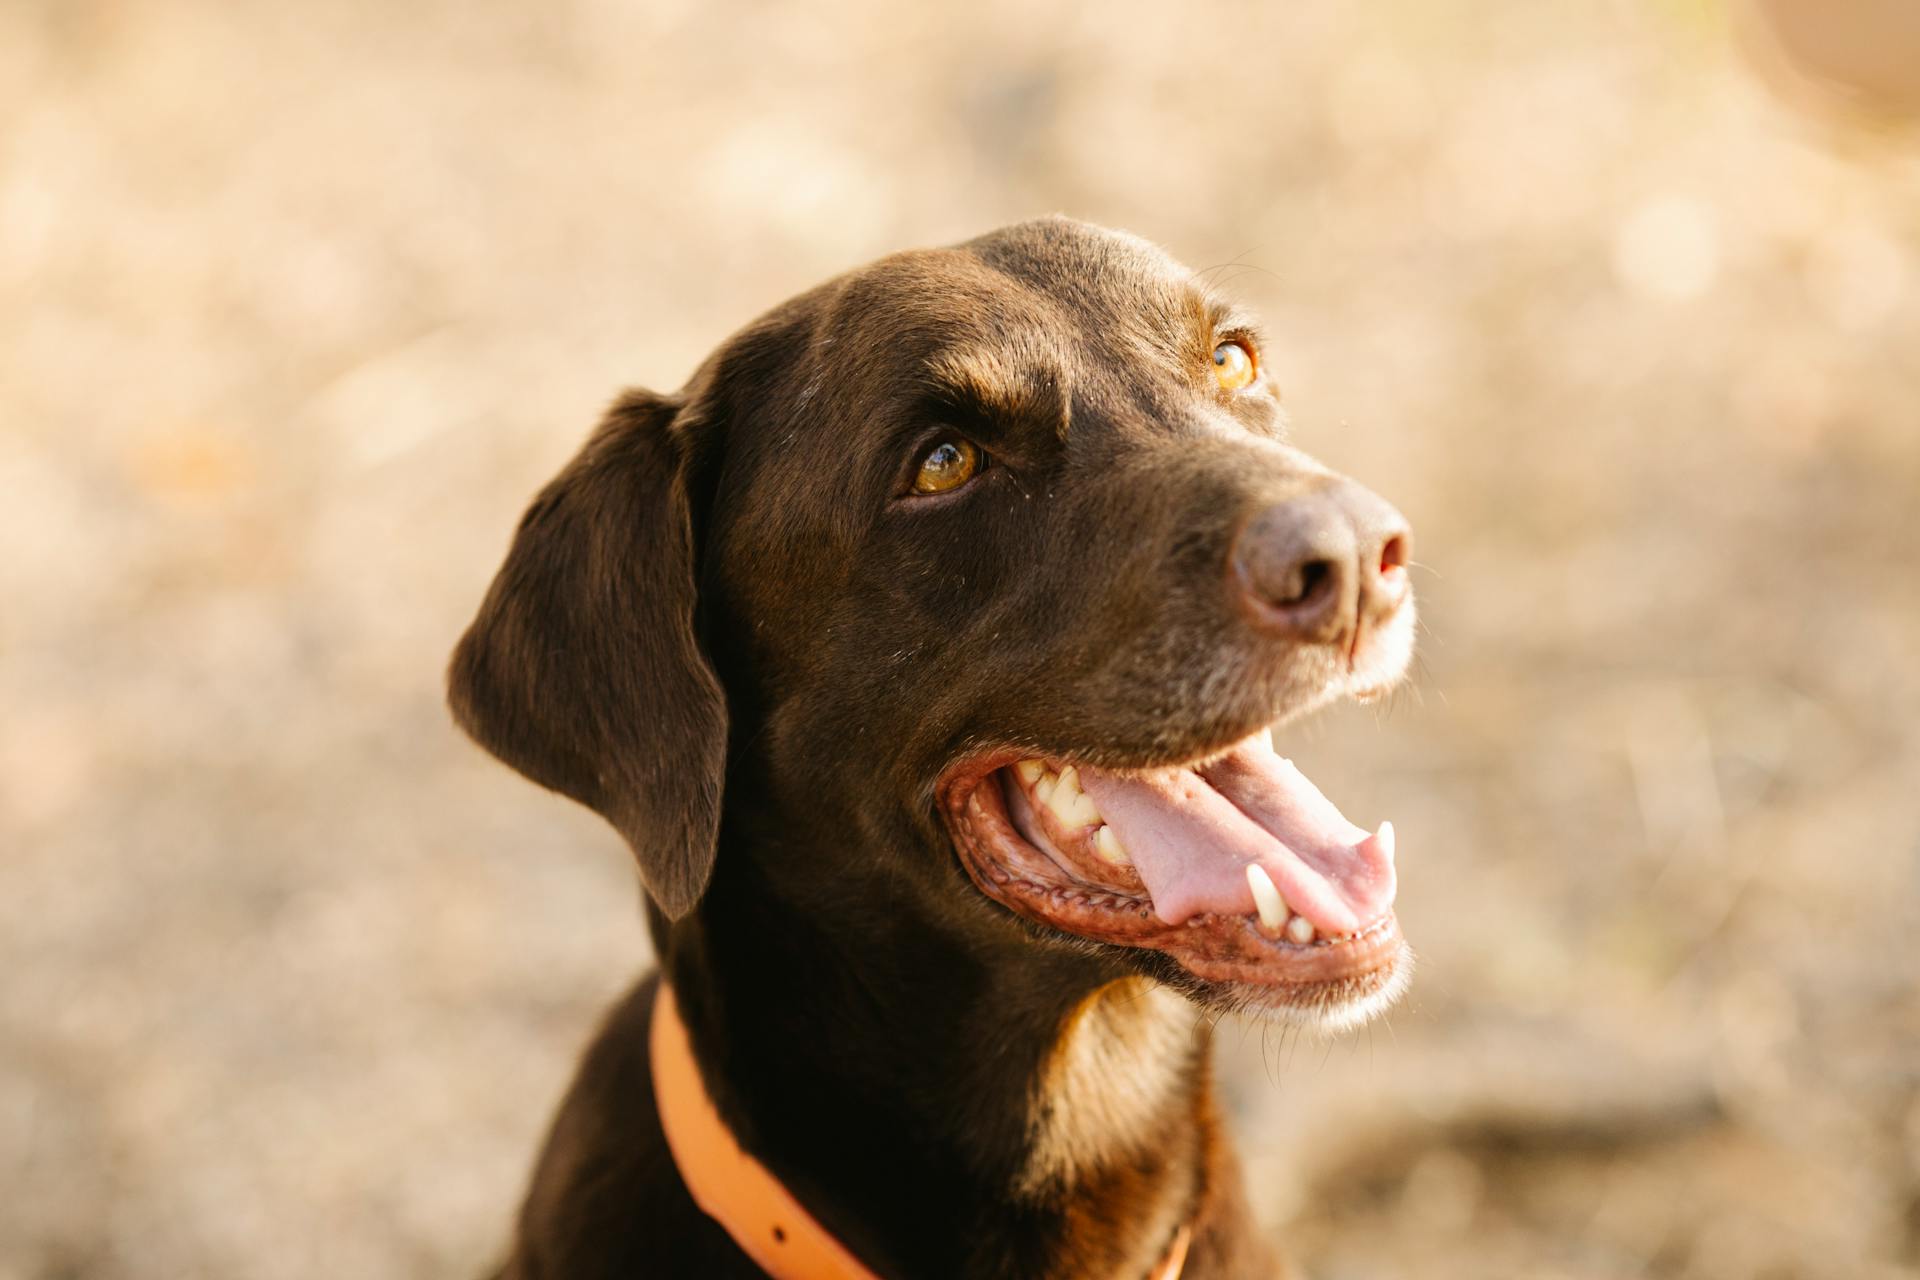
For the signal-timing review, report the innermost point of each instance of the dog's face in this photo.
(999, 563)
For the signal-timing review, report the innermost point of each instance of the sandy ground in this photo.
(300, 303)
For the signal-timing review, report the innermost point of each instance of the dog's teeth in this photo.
(1030, 770)
(1384, 837)
(1085, 812)
(1267, 900)
(1044, 788)
(1069, 804)
(1108, 846)
(1300, 930)
(1266, 737)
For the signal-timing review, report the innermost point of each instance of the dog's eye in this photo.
(1233, 364)
(947, 466)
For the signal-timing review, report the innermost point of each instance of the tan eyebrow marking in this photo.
(1002, 384)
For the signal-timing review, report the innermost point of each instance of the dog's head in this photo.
(981, 574)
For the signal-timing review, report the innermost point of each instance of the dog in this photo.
(926, 648)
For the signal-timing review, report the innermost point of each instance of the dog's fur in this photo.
(727, 628)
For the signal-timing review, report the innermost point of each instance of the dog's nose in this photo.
(1324, 567)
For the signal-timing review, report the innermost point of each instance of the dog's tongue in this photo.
(1191, 836)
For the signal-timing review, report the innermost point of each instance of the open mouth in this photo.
(1236, 867)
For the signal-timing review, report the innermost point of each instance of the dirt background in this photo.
(299, 304)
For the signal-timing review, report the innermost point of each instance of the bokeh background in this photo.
(299, 303)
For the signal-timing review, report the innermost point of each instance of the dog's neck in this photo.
(945, 1108)
(1121, 1055)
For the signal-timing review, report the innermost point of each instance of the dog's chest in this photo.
(1112, 1145)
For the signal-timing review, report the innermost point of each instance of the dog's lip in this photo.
(1238, 832)
(1215, 948)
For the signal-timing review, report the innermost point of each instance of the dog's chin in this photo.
(1327, 1007)
(1230, 877)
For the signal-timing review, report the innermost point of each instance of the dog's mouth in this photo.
(1236, 867)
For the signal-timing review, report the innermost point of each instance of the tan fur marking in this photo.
(1123, 1055)
(1016, 377)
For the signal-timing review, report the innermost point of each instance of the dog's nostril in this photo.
(1324, 566)
(1296, 565)
(1394, 554)
(1309, 580)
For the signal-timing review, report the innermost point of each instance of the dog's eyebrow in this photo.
(999, 386)
(1223, 315)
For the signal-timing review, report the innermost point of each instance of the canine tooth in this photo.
(1108, 846)
(1266, 899)
(1266, 736)
(1385, 836)
(1044, 788)
(1030, 770)
(1300, 930)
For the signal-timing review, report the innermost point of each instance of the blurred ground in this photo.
(299, 304)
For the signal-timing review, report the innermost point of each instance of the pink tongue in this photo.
(1191, 836)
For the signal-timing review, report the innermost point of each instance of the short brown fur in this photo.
(726, 627)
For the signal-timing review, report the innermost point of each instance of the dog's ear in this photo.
(583, 669)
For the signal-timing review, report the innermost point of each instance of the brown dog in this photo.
(925, 648)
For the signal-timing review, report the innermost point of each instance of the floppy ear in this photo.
(583, 670)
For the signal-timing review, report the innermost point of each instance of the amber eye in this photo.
(947, 466)
(1233, 364)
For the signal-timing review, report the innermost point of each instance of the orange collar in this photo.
(739, 1192)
